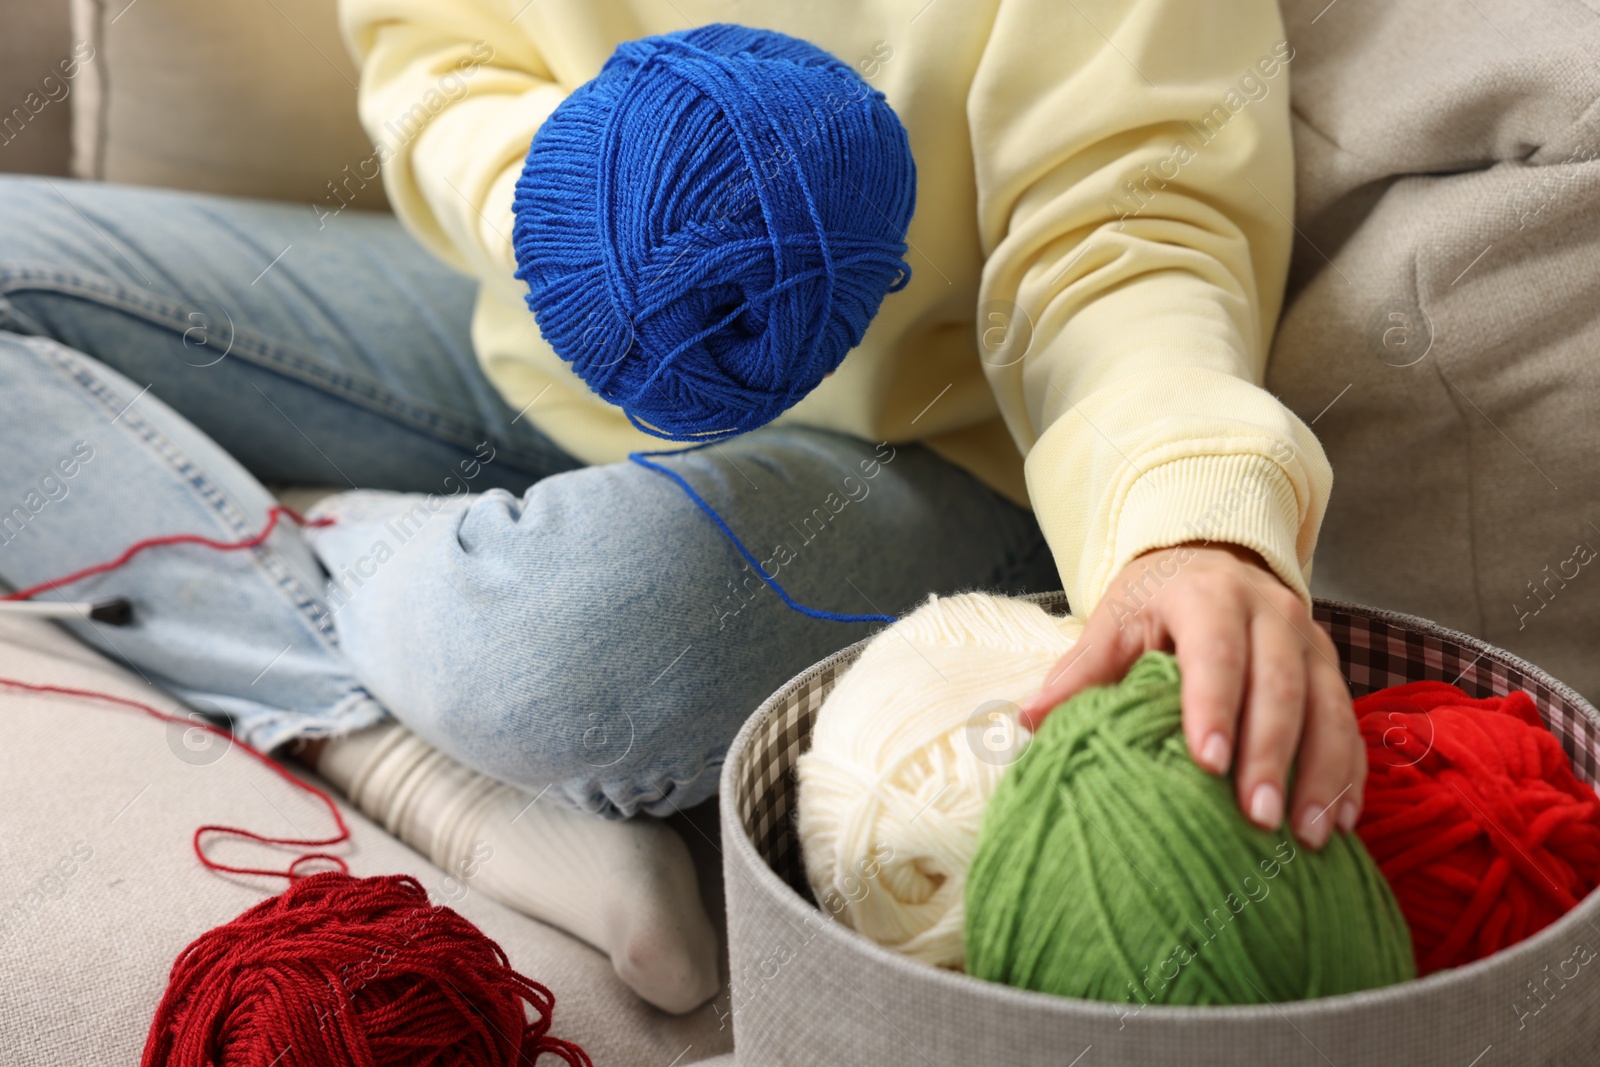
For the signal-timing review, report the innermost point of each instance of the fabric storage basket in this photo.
(808, 990)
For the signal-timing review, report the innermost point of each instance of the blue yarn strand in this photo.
(708, 227)
(642, 459)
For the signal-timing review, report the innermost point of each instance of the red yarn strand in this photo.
(290, 873)
(274, 513)
(275, 984)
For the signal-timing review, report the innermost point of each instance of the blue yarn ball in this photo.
(709, 226)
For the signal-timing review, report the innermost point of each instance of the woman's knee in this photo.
(566, 705)
(539, 642)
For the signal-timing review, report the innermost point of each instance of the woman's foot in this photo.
(627, 887)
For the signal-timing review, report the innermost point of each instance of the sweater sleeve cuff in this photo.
(1243, 499)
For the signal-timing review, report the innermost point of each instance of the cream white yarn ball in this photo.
(905, 754)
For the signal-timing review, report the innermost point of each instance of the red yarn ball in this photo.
(350, 971)
(1475, 817)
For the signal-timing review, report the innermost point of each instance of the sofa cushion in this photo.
(100, 891)
(222, 96)
(35, 117)
(1440, 328)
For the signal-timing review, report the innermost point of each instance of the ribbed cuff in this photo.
(1244, 499)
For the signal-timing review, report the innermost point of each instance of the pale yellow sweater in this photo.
(1099, 247)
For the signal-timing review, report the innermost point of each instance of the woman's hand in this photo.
(1260, 679)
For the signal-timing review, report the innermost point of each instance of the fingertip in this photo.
(1266, 806)
(1313, 826)
(1215, 753)
(1037, 708)
(1353, 801)
(1029, 717)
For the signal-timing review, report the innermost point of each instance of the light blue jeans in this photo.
(581, 629)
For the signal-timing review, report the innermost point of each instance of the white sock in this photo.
(627, 887)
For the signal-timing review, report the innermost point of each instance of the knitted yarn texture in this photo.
(1110, 866)
(905, 753)
(355, 972)
(1475, 817)
(708, 226)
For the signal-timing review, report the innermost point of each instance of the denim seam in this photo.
(356, 710)
(662, 789)
(263, 353)
(304, 602)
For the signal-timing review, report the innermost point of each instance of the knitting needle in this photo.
(117, 611)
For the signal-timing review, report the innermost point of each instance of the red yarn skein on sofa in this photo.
(335, 971)
(1475, 817)
(350, 971)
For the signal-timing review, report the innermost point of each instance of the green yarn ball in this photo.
(1111, 867)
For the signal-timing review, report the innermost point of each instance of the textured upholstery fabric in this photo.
(99, 890)
(1442, 300)
(222, 96)
(35, 115)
